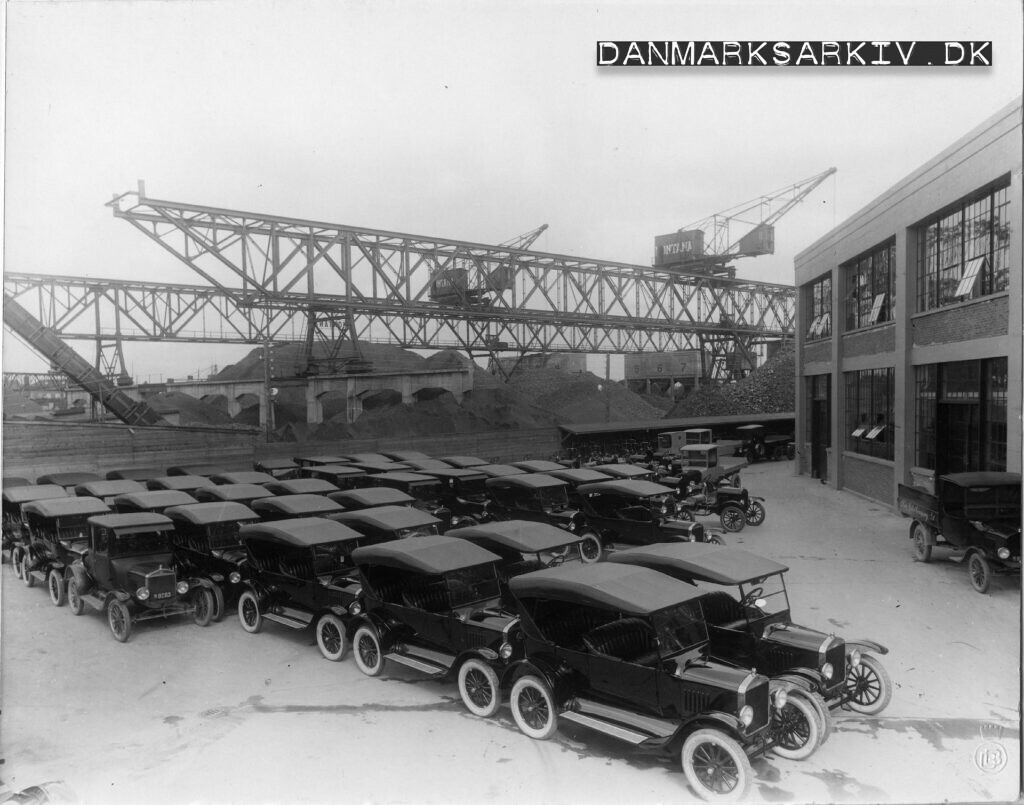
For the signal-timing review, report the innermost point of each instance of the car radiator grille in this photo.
(778, 659)
(837, 656)
(757, 697)
(161, 584)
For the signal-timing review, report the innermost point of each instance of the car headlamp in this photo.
(142, 593)
(182, 587)
(827, 670)
(235, 577)
(746, 715)
(855, 658)
(780, 698)
(355, 608)
(1004, 553)
(505, 651)
(572, 525)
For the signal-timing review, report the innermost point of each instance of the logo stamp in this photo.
(990, 757)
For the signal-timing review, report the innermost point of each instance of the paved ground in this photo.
(183, 714)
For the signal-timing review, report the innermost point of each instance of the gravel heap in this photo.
(769, 389)
(573, 397)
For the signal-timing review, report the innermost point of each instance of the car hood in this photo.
(713, 673)
(798, 637)
(142, 567)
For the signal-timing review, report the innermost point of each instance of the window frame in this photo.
(870, 282)
(819, 307)
(870, 396)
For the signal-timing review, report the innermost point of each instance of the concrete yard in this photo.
(183, 714)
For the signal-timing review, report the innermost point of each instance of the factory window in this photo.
(870, 282)
(869, 412)
(820, 309)
(964, 253)
(961, 416)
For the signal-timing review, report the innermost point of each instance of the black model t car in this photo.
(750, 625)
(575, 478)
(129, 570)
(384, 523)
(57, 529)
(69, 480)
(278, 467)
(301, 486)
(525, 546)
(284, 507)
(426, 489)
(235, 493)
(734, 505)
(370, 496)
(299, 573)
(463, 492)
(140, 474)
(244, 477)
(107, 490)
(178, 483)
(154, 501)
(15, 529)
(533, 496)
(206, 543)
(757, 444)
(343, 476)
(975, 512)
(637, 513)
(623, 650)
(433, 604)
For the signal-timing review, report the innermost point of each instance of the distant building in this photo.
(659, 372)
(909, 325)
(566, 361)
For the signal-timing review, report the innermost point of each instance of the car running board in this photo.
(608, 728)
(286, 619)
(622, 724)
(416, 663)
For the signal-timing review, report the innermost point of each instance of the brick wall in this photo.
(983, 319)
(818, 352)
(868, 478)
(870, 342)
(31, 449)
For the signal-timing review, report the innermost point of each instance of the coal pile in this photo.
(573, 397)
(769, 389)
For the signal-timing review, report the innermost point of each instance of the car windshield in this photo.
(989, 502)
(471, 486)
(679, 628)
(429, 490)
(470, 585)
(417, 531)
(224, 535)
(331, 558)
(771, 590)
(140, 542)
(552, 497)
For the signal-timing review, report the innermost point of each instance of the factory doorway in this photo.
(821, 424)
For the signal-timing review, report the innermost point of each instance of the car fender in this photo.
(82, 578)
(715, 719)
(864, 644)
(929, 532)
(120, 595)
(805, 679)
(560, 682)
(383, 628)
(489, 656)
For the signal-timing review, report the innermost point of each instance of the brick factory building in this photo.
(908, 361)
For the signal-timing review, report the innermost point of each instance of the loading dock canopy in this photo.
(652, 426)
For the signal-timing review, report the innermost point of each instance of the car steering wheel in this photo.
(752, 596)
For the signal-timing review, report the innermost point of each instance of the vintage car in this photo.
(299, 573)
(734, 506)
(533, 496)
(278, 467)
(370, 496)
(301, 486)
(13, 480)
(245, 477)
(627, 472)
(384, 523)
(57, 536)
(128, 570)
(750, 626)
(525, 546)
(498, 470)
(107, 490)
(235, 493)
(463, 462)
(975, 512)
(757, 444)
(433, 604)
(207, 545)
(15, 529)
(425, 464)
(576, 478)
(463, 493)
(153, 501)
(178, 483)
(69, 480)
(371, 458)
(538, 465)
(319, 460)
(637, 513)
(283, 507)
(623, 651)
(202, 470)
(140, 474)
(378, 467)
(405, 455)
(426, 489)
(343, 476)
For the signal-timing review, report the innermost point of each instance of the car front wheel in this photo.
(533, 708)
(795, 728)
(75, 602)
(716, 767)
(977, 568)
(366, 651)
(218, 603)
(733, 518)
(249, 612)
(26, 573)
(331, 638)
(58, 591)
(120, 619)
(756, 513)
(922, 550)
(16, 562)
(590, 547)
(479, 688)
(869, 686)
(204, 605)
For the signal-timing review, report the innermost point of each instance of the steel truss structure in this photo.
(267, 277)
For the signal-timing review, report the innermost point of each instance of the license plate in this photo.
(162, 595)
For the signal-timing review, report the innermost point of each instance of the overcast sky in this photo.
(459, 120)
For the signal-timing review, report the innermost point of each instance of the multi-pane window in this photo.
(870, 427)
(965, 252)
(819, 318)
(870, 283)
(961, 416)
